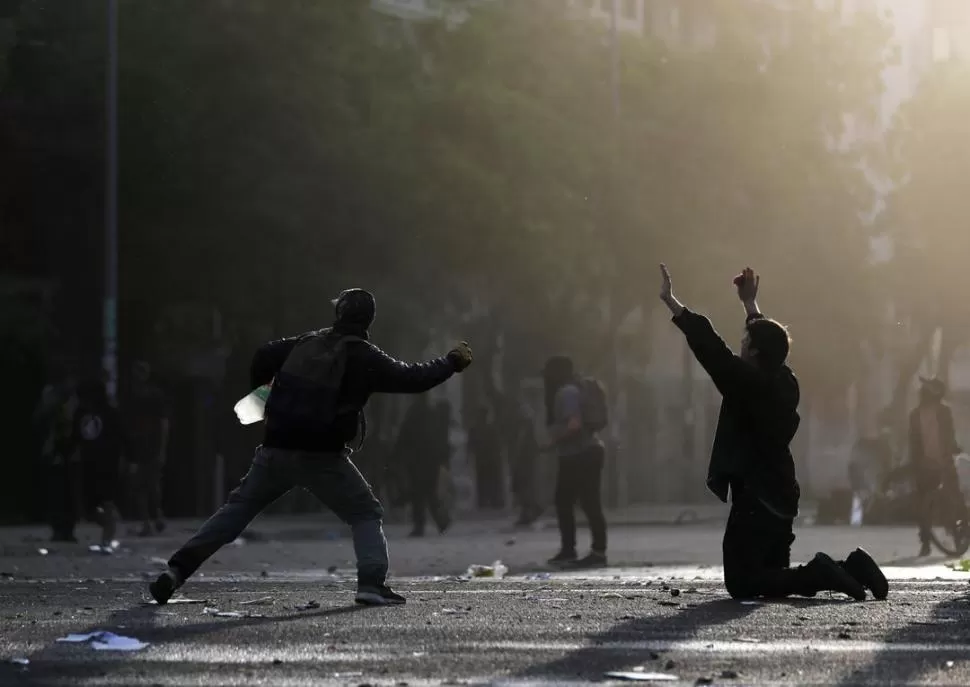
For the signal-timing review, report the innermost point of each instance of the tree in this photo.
(926, 218)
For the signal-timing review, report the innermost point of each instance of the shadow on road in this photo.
(141, 622)
(948, 623)
(592, 662)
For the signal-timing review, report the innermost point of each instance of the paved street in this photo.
(529, 628)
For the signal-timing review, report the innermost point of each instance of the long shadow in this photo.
(948, 624)
(591, 662)
(139, 621)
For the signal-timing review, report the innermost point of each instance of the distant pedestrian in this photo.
(99, 439)
(321, 382)
(147, 416)
(580, 454)
(54, 418)
(484, 444)
(422, 450)
(932, 449)
(524, 462)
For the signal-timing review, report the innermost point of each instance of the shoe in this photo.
(824, 574)
(564, 557)
(593, 559)
(866, 572)
(159, 526)
(444, 525)
(925, 550)
(378, 596)
(164, 586)
(416, 534)
(146, 531)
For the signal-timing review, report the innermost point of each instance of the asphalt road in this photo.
(529, 628)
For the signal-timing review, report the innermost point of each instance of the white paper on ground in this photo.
(643, 677)
(106, 641)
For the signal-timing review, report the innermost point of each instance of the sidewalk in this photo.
(324, 525)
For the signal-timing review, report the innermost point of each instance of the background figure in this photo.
(486, 450)
(524, 462)
(932, 447)
(53, 419)
(99, 440)
(147, 415)
(422, 449)
(581, 455)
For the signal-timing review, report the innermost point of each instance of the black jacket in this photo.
(948, 438)
(369, 370)
(758, 420)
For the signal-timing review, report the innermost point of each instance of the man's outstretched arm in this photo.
(726, 369)
(391, 376)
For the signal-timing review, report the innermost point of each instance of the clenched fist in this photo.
(460, 356)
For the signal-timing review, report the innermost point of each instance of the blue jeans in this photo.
(332, 478)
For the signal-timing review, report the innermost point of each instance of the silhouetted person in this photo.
(422, 449)
(524, 463)
(751, 458)
(932, 447)
(486, 448)
(147, 415)
(580, 454)
(99, 438)
(54, 418)
(321, 382)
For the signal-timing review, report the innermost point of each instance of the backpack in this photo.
(595, 407)
(306, 391)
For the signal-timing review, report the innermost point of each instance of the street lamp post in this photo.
(109, 359)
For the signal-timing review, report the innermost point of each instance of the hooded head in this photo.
(557, 373)
(932, 390)
(354, 308)
(92, 394)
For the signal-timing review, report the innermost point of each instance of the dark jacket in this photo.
(947, 437)
(758, 420)
(368, 371)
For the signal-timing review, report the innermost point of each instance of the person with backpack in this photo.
(751, 458)
(576, 412)
(321, 382)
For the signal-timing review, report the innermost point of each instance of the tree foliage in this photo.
(274, 152)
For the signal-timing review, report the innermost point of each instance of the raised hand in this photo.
(747, 283)
(667, 292)
(666, 287)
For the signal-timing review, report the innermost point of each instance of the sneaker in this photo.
(564, 557)
(378, 596)
(444, 524)
(866, 572)
(592, 560)
(164, 586)
(827, 575)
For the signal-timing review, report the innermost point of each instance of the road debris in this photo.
(263, 600)
(105, 641)
(496, 570)
(208, 610)
(636, 676)
(309, 606)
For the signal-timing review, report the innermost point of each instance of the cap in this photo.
(355, 306)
